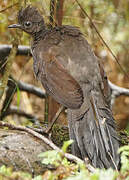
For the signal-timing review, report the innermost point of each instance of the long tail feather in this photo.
(95, 135)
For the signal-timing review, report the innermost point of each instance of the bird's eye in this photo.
(28, 24)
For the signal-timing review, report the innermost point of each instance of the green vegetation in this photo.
(60, 168)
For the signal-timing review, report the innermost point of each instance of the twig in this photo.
(88, 165)
(1, 11)
(10, 93)
(30, 131)
(117, 91)
(6, 74)
(84, 12)
(31, 89)
(25, 50)
(5, 50)
(47, 141)
(8, 99)
(52, 13)
(54, 119)
(19, 112)
(113, 161)
(2, 65)
(38, 130)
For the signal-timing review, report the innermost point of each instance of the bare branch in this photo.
(12, 83)
(5, 50)
(117, 91)
(52, 13)
(1, 11)
(6, 73)
(31, 89)
(14, 110)
(47, 141)
(25, 50)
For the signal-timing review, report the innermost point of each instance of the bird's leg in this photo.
(47, 130)
(54, 119)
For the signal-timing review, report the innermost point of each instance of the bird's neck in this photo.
(37, 36)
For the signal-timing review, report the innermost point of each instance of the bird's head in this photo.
(29, 20)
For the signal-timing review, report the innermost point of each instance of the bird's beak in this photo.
(14, 26)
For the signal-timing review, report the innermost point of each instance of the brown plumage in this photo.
(72, 74)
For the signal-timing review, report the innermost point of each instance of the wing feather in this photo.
(61, 85)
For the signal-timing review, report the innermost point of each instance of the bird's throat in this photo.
(37, 36)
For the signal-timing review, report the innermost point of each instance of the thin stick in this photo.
(54, 119)
(102, 38)
(48, 142)
(8, 7)
(14, 110)
(30, 131)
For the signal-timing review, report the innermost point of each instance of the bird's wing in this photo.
(60, 84)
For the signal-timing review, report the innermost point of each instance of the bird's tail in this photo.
(94, 134)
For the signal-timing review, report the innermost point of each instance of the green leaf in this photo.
(66, 145)
(124, 150)
(5, 171)
(38, 178)
(51, 157)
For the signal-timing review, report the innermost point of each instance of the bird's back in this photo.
(73, 52)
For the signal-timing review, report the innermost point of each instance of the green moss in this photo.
(59, 134)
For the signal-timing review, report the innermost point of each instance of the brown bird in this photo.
(71, 73)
